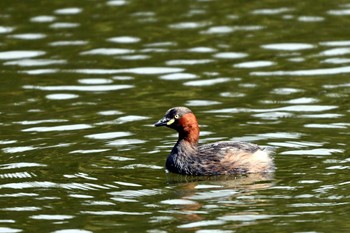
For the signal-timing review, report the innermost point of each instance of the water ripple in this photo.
(246, 217)
(117, 2)
(58, 128)
(35, 62)
(5, 142)
(188, 62)
(319, 151)
(61, 96)
(43, 19)
(130, 118)
(335, 52)
(52, 217)
(266, 136)
(254, 64)
(201, 103)
(336, 43)
(112, 212)
(178, 76)
(22, 208)
(18, 149)
(10, 230)
(328, 126)
(68, 43)
(127, 184)
(109, 135)
(110, 113)
(68, 11)
(161, 44)
(178, 202)
(82, 186)
(339, 12)
(20, 165)
(17, 175)
(288, 46)
(207, 82)
(273, 115)
(88, 151)
(94, 81)
(107, 51)
(4, 30)
(292, 108)
(25, 185)
(302, 100)
(188, 25)
(325, 115)
(202, 223)
(229, 29)
(125, 142)
(40, 71)
(296, 144)
(311, 18)
(213, 194)
(124, 39)
(35, 122)
(28, 36)
(271, 11)
(135, 193)
(138, 70)
(60, 25)
(119, 158)
(230, 55)
(72, 231)
(134, 57)
(311, 72)
(92, 88)
(133, 166)
(20, 54)
(285, 91)
(336, 60)
(201, 50)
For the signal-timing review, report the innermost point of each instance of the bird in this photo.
(218, 158)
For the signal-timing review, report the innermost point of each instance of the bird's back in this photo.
(230, 157)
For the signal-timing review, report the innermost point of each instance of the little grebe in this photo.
(224, 157)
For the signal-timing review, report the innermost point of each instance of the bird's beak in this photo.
(164, 122)
(161, 122)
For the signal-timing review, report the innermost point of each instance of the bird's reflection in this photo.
(211, 192)
(251, 181)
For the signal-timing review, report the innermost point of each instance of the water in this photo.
(82, 82)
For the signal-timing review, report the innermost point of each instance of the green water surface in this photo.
(82, 82)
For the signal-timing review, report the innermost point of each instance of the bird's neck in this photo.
(190, 129)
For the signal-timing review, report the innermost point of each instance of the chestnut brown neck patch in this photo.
(189, 128)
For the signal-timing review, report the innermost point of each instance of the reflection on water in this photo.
(9, 55)
(81, 85)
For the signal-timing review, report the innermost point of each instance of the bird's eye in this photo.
(177, 116)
